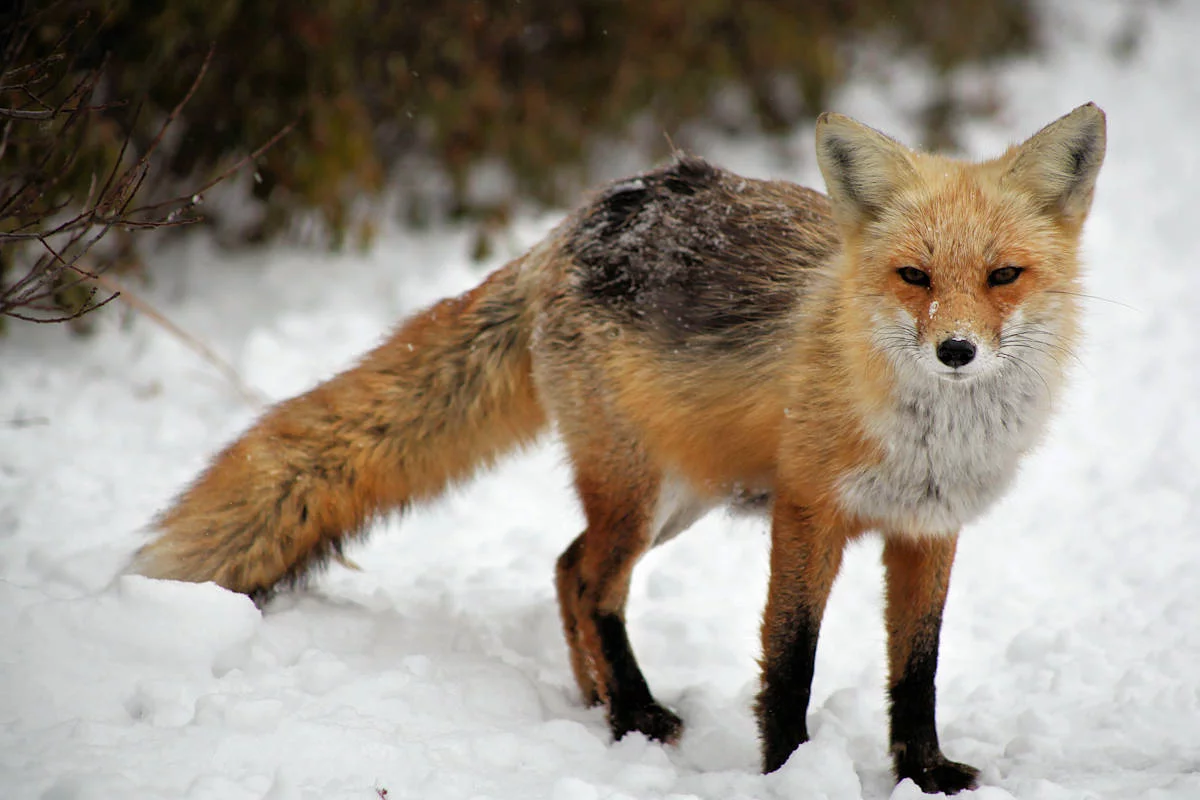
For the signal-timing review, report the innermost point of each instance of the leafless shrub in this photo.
(48, 234)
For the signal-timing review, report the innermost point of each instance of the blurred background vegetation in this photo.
(376, 86)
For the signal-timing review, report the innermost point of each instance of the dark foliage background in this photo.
(530, 84)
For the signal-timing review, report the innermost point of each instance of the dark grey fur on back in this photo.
(699, 256)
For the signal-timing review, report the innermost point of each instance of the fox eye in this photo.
(914, 276)
(1004, 275)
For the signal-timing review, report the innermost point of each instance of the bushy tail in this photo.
(449, 392)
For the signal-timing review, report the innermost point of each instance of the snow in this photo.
(1071, 649)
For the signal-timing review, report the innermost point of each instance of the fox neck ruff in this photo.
(949, 448)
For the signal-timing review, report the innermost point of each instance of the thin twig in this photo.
(186, 200)
(85, 308)
(179, 106)
(18, 113)
(138, 303)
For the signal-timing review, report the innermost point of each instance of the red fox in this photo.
(874, 360)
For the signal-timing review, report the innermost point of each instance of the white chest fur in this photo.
(950, 451)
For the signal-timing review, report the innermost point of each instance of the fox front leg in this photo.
(806, 553)
(918, 576)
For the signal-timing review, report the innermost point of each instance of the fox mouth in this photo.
(959, 377)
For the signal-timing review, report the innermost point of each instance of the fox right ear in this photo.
(862, 167)
(1059, 164)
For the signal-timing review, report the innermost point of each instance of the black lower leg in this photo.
(631, 707)
(782, 705)
(916, 753)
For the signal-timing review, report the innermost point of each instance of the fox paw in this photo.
(938, 774)
(653, 720)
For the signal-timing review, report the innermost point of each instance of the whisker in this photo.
(1055, 357)
(1086, 296)
(1035, 338)
(1025, 340)
(1045, 346)
(1026, 365)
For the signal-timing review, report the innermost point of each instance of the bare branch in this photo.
(87, 308)
(37, 68)
(189, 200)
(18, 113)
(29, 198)
(179, 106)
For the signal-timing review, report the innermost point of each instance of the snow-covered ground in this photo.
(1071, 649)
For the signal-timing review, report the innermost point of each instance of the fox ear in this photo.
(1059, 163)
(862, 167)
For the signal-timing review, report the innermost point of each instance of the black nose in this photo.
(955, 352)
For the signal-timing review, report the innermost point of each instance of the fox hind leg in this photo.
(593, 578)
(570, 591)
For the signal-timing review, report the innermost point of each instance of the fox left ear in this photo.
(862, 168)
(1059, 163)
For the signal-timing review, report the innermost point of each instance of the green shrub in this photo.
(530, 84)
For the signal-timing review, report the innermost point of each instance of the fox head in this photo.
(959, 269)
